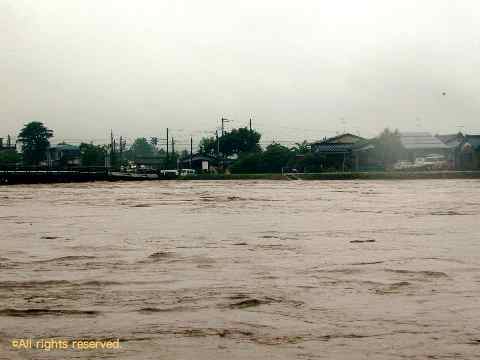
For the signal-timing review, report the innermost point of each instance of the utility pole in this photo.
(121, 150)
(167, 151)
(250, 123)
(191, 151)
(173, 153)
(9, 141)
(218, 143)
(106, 158)
(111, 149)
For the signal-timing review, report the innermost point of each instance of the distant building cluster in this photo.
(420, 150)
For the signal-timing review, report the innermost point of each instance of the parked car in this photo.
(431, 162)
(187, 172)
(169, 173)
(403, 165)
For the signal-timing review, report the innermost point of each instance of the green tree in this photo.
(9, 157)
(141, 148)
(238, 141)
(271, 160)
(208, 146)
(247, 163)
(388, 147)
(235, 142)
(275, 157)
(154, 141)
(302, 148)
(184, 154)
(92, 155)
(34, 137)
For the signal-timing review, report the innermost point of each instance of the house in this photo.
(343, 152)
(200, 163)
(468, 154)
(420, 144)
(63, 155)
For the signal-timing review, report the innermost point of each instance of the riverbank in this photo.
(46, 177)
(377, 175)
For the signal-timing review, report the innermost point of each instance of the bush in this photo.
(271, 160)
(9, 157)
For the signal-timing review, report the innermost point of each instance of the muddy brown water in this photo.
(247, 269)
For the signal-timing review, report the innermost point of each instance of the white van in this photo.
(187, 172)
(169, 173)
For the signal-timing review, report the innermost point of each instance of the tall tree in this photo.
(141, 148)
(238, 141)
(34, 137)
(154, 141)
(235, 142)
(388, 147)
(208, 146)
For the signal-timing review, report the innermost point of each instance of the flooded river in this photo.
(243, 270)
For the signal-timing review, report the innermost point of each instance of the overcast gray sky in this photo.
(300, 69)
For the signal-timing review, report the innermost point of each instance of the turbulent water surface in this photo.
(237, 270)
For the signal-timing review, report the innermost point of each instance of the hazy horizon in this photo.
(301, 70)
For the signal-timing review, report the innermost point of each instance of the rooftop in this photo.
(451, 140)
(64, 147)
(420, 140)
(346, 138)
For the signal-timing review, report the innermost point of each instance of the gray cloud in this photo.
(296, 67)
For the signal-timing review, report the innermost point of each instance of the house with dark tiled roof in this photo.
(342, 152)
